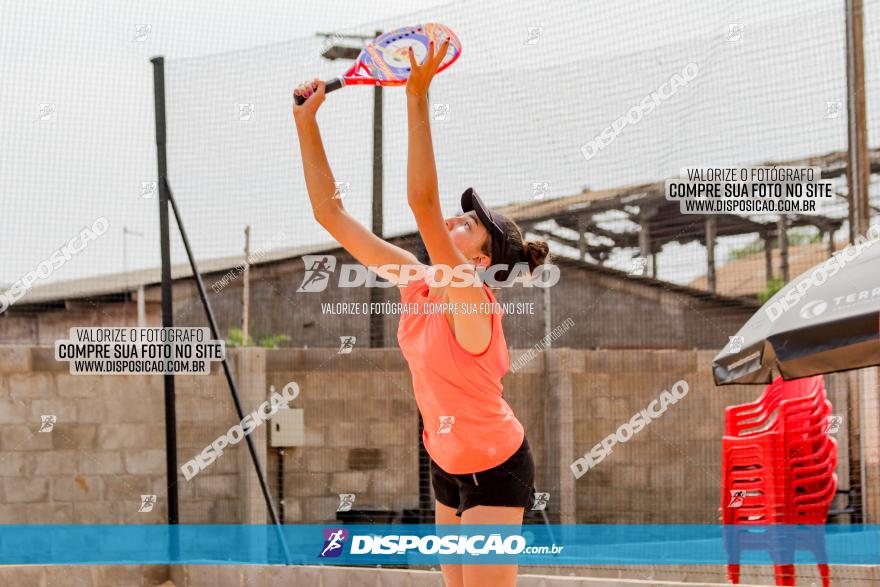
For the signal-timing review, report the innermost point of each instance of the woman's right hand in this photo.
(314, 93)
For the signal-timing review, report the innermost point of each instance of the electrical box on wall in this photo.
(287, 428)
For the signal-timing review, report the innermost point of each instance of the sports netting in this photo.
(535, 84)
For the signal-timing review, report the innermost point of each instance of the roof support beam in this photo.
(710, 253)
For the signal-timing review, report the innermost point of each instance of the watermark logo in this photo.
(346, 344)
(471, 545)
(346, 500)
(628, 429)
(446, 423)
(794, 293)
(533, 35)
(439, 112)
(735, 32)
(834, 423)
(251, 259)
(140, 32)
(121, 350)
(317, 273)
(833, 110)
(645, 106)
(46, 112)
(148, 189)
(342, 189)
(334, 539)
(541, 501)
(540, 190)
(542, 344)
(748, 190)
(245, 112)
(736, 498)
(61, 256)
(329, 41)
(736, 344)
(237, 433)
(147, 503)
(47, 422)
(318, 269)
(639, 265)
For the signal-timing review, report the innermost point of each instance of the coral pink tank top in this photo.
(468, 425)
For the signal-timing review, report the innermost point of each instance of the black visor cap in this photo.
(497, 225)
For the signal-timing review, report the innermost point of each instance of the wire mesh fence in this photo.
(518, 118)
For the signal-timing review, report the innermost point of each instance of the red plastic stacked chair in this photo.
(779, 462)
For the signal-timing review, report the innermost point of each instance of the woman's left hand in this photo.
(421, 75)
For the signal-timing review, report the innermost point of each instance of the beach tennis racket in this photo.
(385, 61)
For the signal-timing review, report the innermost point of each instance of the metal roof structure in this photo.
(658, 220)
(655, 222)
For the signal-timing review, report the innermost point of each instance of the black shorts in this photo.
(510, 484)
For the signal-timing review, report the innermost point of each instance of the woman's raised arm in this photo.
(370, 250)
(473, 331)
(320, 182)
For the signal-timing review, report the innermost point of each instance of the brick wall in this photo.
(107, 447)
(609, 309)
(670, 471)
(361, 431)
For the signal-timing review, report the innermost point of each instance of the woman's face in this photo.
(468, 235)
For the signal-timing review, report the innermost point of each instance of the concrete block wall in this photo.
(667, 473)
(86, 575)
(104, 451)
(315, 576)
(361, 431)
(361, 425)
(670, 471)
(205, 411)
(107, 448)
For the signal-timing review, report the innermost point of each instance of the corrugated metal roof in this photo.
(116, 283)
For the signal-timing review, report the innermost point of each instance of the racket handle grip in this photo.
(332, 85)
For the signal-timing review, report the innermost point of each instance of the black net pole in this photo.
(167, 310)
(377, 322)
(233, 388)
(424, 475)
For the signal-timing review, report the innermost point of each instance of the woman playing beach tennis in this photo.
(481, 464)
